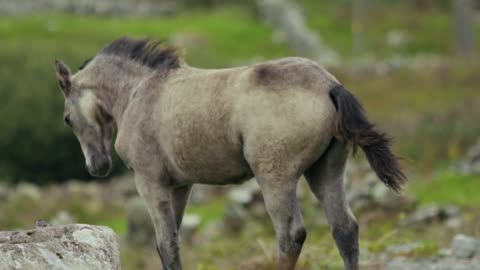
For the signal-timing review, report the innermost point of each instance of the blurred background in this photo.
(412, 63)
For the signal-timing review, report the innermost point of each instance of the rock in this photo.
(104, 7)
(189, 227)
(234, 218)
(4, 193)
(470, 164)
(42, 223)
(244, 194)
(432, 213)
(212, 231)
(286, 17)
(75, 246)
(249, 197)
(454, 222)
(386, 197)
(63, 218)
(26, 191)
(463, 255)
(205, 193)
(431, 263)
(364, 190)
(140, 230)
(397, 38)
(404, 249)
(402, 263)
(120, 190)
(464, 247)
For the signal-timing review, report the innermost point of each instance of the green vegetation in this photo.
(462, 190)
(36, 146)
(34, 143)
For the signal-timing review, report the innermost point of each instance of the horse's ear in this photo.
(63, 76)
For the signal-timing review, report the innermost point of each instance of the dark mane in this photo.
(144, 51)
(84, 64)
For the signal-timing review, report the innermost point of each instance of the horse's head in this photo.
(87, 116)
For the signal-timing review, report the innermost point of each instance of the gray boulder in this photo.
(433, 213)
(4, 193)
(470, 163)
(464, 247)
(63, 217)
(75, 246)
(140, 230)
(189, 227)
(289, 22)
(365, 191)
(26, 191)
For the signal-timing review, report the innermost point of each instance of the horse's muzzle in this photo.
(99, 166)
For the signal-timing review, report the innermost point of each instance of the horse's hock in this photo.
(74, 246)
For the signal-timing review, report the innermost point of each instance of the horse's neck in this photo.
(118, 92)
(126, 88)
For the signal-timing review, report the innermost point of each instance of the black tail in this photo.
(354, 126)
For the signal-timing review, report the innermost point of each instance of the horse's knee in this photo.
(291, 244)
(299, 235)
(346, 236)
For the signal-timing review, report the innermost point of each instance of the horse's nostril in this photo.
(100, 165)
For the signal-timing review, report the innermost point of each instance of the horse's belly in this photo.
(208, 163)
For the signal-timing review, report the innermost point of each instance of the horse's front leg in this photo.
(159, 200)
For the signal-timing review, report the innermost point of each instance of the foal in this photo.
(178, 125)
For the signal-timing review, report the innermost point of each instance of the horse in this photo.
(179, 125)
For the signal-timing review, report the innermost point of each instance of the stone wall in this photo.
(100, 7)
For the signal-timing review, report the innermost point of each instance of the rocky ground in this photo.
(418, 235)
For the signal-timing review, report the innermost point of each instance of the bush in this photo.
(34, 143)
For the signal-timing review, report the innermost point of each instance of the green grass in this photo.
(426, 32)
(214, 211)
(450, 188)
(223, 37)
(81, 35)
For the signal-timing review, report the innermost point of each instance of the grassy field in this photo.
(429, 110)
(255, 245)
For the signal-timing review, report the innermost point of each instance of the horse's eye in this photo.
(68, 121)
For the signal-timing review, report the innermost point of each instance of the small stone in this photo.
(234, 218)
(464, 247)
(470, 164)
(202, 194)
(431, 213)
(140, 230)
(42, 224)
(454, 223)
(189, 227)
(63, 218)
(26, 191)
(396, 38)
(121, 189)
(405, 249)
(4, 193)
(244, 194)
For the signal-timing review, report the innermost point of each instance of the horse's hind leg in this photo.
(280, 198)
(325, 178)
